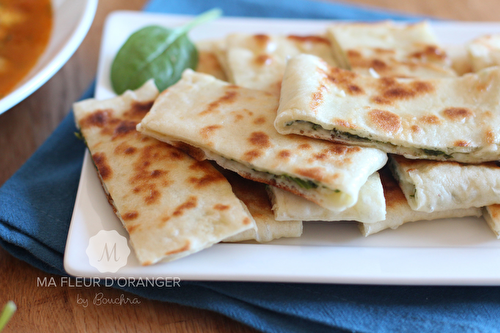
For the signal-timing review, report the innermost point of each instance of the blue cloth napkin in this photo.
(37, 202)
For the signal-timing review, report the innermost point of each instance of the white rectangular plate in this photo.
(444, 252)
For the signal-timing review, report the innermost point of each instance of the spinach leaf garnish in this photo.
(156, 52)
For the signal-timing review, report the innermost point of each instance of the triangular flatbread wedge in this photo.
(171, 204)
(234, 127)
(454, 119)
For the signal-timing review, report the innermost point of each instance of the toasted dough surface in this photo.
(455, 119)
(389, 49)
(258, 61)
(234, 126)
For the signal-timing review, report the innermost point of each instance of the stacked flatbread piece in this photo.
(417, 114)
(483, 52)
(170, 204)
(259, 61)
(233, 126)
(406, 54)
(399, 67)
(387, 50)
(163, 197)
(447, 119)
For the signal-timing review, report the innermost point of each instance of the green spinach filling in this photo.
(346, 135)
(436, 153)
(304, 183)
(337, 133)
(316, 127)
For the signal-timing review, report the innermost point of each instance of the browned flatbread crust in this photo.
(454, 119)
(234, 127)
(258, 61)
(389, 49)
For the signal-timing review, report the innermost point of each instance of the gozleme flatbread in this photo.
(484, 52)
(369, 208)
(208, 61)
(389, 49)
(441, 119)
(492, 216)
(234, 127)
(171, 204)
(436, 186)
(258, 61)
(254, 196)
(399, 212)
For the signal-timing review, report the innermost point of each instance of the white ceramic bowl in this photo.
(71, 22)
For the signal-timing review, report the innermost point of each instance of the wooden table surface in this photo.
(25, 127)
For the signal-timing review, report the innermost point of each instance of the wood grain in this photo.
(27, 125)
(460, 10)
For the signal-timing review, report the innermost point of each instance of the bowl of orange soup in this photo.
(37, 37)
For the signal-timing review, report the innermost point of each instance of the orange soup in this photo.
(25, 27)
